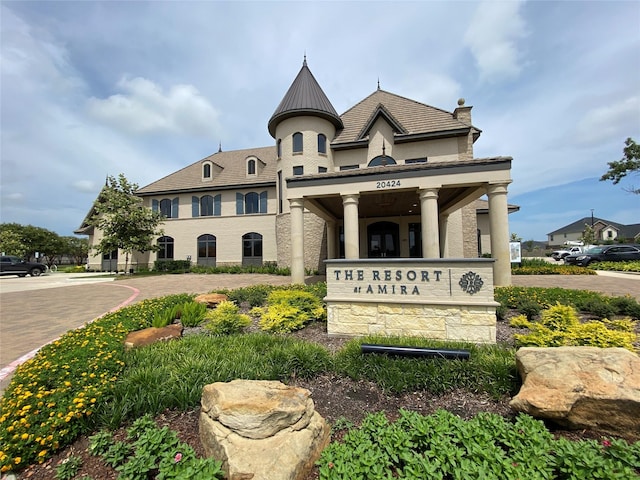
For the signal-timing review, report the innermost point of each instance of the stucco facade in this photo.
(390, 177)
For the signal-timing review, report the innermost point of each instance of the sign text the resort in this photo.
(387, 281)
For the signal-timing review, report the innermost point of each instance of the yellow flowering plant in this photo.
(51, 397)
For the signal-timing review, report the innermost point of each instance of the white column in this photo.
(499, 225)
(296, 208)
(351, 227)
(443, 225)
(331, 239)
(429, 218)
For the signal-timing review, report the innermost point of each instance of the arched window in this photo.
(206, 170)
(166, 248)
(279, 147)
(206, 206)
(251, 202)
(322, 143)
(207, 250)
(297, 142)
(382, 160)
(251, 167)
(168, 207)
(252, 249)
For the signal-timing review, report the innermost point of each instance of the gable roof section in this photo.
(412, 118)
(232, 175)
(578, 225)
(304, 97)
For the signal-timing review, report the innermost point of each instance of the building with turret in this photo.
(390, 177)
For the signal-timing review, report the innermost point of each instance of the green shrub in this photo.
(529, 307)
(600, 308)
(226, 319)
(254, 295)
(443, 446)
(560, 326)
(288, 310)
(490, 368)
(520, 321)
(559, 317)
(163, 318)
(172, 266)
(626, 305)
(192, 313)
(68, 468)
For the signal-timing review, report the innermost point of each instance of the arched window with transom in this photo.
(207, 250)
(166, 248)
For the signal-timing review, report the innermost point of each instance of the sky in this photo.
(90, 89)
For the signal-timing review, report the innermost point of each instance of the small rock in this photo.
(211, 299)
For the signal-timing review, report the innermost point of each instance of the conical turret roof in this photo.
(304, 97)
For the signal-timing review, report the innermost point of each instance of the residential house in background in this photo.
(390, 177)
(604, 230)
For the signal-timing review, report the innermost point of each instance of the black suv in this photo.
(10, 265)
(605, 253)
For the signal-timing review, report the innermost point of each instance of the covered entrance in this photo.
(404, 211)
(383, 240)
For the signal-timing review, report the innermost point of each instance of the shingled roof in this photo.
(408, 117)
(230, 171)
(304, 97)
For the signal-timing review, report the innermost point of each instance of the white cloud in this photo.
(493, 38)
(14, 197)
(85, 186)
(606, 122)
(145, 108)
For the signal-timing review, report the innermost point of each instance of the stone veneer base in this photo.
(467, 323)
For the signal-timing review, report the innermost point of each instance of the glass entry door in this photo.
(383, 240)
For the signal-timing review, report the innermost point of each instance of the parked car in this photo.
(605, 253)
(10, 265)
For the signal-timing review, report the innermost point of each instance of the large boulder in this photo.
(581, 387)
(151, 335)
(263, 430)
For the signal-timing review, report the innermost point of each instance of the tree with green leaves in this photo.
(629, 164)
(588, 236)
(26, 240)
(76, 248)
(126, 224)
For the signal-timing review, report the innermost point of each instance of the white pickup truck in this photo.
(558, 255)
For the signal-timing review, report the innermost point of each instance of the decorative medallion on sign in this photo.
(471, 283)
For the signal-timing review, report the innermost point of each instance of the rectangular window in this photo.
(322, 169)
(349, 167)
(410, 161)
(298, 170)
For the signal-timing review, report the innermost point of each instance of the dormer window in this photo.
(206, 171)
(322, 143)
(251, 166)
(297, 142)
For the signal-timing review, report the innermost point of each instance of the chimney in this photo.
(462, 113)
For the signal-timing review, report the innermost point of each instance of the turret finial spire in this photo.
(304, 62)
(378, 83)
(220, 147)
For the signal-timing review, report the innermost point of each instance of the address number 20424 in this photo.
(388, 184)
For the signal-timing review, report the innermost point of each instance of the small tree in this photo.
(630, 163)
(126, 224)
(76, 248)
(588, 235)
